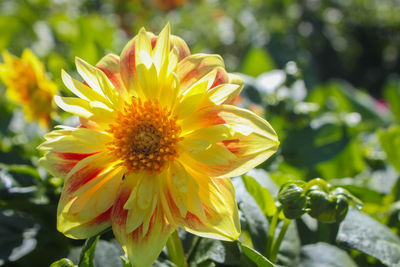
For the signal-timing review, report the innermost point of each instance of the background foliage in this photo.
(323, 73)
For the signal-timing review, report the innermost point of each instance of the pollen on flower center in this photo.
(145, 136)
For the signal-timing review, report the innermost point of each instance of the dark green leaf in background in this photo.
(18, 235)
(361, 232)
(106, 253)
(326, 255)
(222, 252)
(289, 251)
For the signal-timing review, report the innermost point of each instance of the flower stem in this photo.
(277, 243)
(175, 250)
(271, 232)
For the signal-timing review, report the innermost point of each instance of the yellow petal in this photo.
(215, 155)
(75, 140)
(191, 100)
(203, 138)
(161, 50)
(95, 110)
(74, 105)
(145, 192)
(81, 90)
(178, 186)
(147, 77)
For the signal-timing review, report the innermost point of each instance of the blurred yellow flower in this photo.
(158, 142)
(28, 86)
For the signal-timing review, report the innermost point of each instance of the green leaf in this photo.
(341, 97)
(254, 219)
(257, 61)
(255, 256)
(87, 253)
(361, 232)
(261, 195)
(351, 153)
(310, 146)
(63, 263)
(390, 142)
(222, 252)
(21, 169)
(324, 254)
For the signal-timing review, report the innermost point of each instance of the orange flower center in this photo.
(145, 136)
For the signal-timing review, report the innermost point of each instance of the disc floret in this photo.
(145, 136)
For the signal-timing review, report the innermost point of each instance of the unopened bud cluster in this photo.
(317, 198)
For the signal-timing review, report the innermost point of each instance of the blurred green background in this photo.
(325, 74)
(357, 40)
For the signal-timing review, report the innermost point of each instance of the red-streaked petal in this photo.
(180, 44)
(60, 164)
(192, 68)
(128, 67)
(221, 77)
(91, 197)
(86, 170)
(109, 64)
(218, 216)
(225, 89)
(88, 229)
(253, 142)
(128, 64)
(142, 248)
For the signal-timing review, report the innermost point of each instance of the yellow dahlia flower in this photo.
(157, 144)
(28, 86)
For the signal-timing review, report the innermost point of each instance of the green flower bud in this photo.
(293, 201)
(327, 208)
(318, 203)
(342, 207)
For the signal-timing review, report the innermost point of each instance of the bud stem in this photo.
(175, 250)
(278, 241)
(271, 232)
